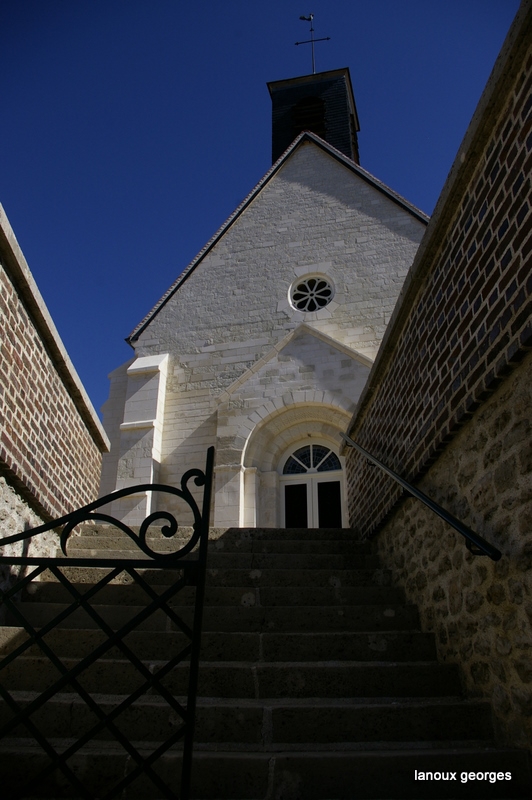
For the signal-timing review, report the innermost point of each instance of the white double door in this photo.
(312, 501)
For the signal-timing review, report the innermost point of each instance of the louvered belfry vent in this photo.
(309, 115)
(321, 103)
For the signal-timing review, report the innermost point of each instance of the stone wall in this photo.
(16, 516)
(448, 404)
(480, 610)
(50, 437)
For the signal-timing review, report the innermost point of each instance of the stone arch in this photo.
(276, 432)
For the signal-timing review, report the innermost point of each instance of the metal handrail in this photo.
(473, 539)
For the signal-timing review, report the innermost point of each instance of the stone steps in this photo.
(245, 618)
(250, 595)
(257, 680)
(101, 543)
(237, 646)
(255, 561)
(273, 723)
(315, 680)
(260, 578)
(231, 537)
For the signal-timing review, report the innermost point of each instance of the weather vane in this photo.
(312, 39)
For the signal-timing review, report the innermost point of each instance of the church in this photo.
(325, 304)
(263, 344)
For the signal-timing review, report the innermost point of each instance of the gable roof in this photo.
(305, 136)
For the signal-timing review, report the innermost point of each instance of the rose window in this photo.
(311, 294)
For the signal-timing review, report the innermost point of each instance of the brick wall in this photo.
(464, 318)
(50, 438)
(449, 401)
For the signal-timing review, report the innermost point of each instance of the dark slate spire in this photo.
(321, 103)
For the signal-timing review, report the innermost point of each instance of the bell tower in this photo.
(322, 103)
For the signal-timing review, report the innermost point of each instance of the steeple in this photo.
(322, 103)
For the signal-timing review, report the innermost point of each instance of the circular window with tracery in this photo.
(311, 458)
(311, 294)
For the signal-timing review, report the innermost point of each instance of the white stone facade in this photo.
(235, 365)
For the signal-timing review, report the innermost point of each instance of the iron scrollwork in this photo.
(89, 513)
(179, 573)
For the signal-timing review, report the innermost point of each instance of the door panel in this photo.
(295, 505)
(329, 504)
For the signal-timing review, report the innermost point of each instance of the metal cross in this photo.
(312, 39)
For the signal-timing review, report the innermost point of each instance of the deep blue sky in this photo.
(132, 128)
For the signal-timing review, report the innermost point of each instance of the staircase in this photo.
(315, 682)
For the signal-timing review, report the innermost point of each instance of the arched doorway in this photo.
(269, 446)
(311, 488)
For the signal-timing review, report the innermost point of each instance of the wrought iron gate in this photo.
(22, 713)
